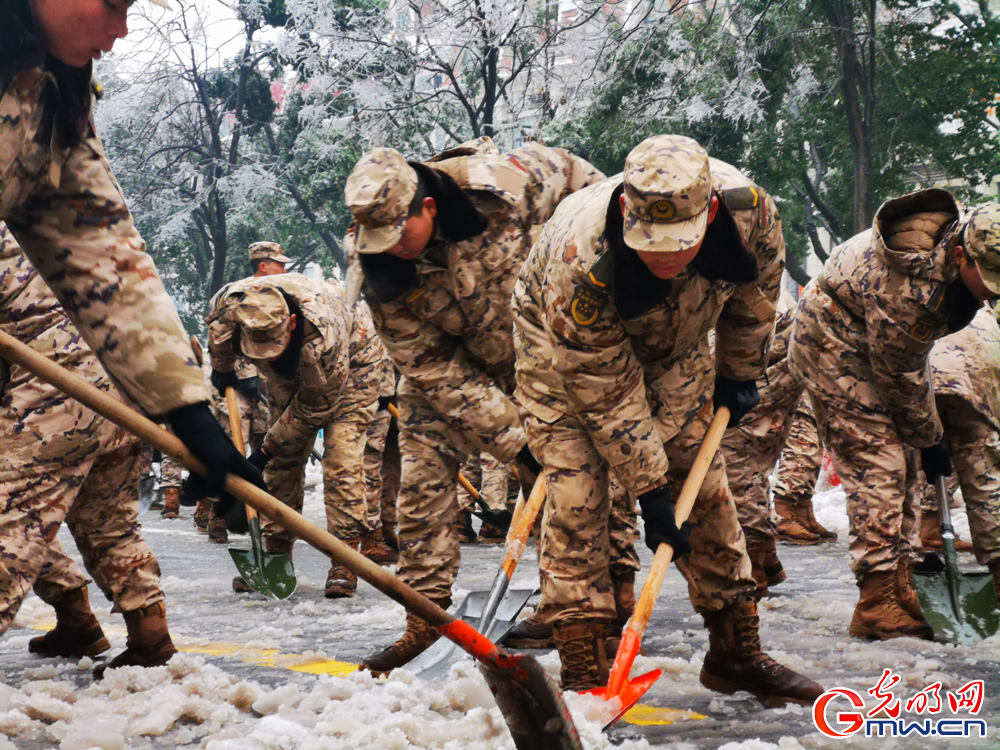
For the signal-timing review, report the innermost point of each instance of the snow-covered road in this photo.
(279, 676)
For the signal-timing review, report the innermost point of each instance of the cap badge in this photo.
(664, 210)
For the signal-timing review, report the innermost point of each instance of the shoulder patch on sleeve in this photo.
(749, 198)
(587, 305)
(921, 331)
(600, 272)
(938, 300)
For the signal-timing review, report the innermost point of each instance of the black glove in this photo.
(258, 459)
(249, 387)
(528, 470)
(223, 380)
(204, 437)
(740, 396)
(384, 401)
(661, 527)
(936, 461)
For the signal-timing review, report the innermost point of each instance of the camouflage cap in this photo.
(264, 321)
(982, 242)
(378, 194)
(268, 251)
(668, 188)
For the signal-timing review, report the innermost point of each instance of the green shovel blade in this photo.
(978, 617)
(267, 574)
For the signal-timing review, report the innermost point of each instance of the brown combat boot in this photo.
(807, 518)
(217, 531)
(530, 633)
(790, 528)
(148, 643)
(736, 662)
(77, 632)
(171, 503)
(373, 547)
(930, 533)
(341, 583)
(881, 615)
(463, 527)
(583, 654)
(202, 513)
(766, 568)
(904, 587)
(419, 637)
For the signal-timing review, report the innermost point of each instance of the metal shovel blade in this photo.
(267, 574)
(977, 618)
(532, 705)
(500, 519)
(437, 660)
(147, 493)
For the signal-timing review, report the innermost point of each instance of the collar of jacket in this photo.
(20, 49)
(724, 256)
(458, 219)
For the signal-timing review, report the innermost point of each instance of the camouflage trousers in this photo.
(98, 498)
(576, 539)
(801, 459)
(974, 443)
(343, 477)
(752, 449)
(490, 477)
(378, 430)
(878, 472)
(170, 473)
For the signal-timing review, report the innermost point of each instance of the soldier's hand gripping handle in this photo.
(661, 526)
(223, 380)
(739, 396)
(528, 469)
(936, 461)
(195, 426)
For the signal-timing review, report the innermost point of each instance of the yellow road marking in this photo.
(645, 716)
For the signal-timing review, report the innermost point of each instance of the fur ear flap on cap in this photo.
(724, 255)
(457, 218)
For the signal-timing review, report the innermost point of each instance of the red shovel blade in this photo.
(629, 694)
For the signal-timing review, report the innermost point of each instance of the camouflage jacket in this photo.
(367, 358)
(897, 287)
(451, 335)
(305, 403)
(629, 355)
(967, 364)
(68, 213)
(40, 427)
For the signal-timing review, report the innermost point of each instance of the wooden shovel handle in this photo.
(14, 351)
(521, 527)
(236, 427)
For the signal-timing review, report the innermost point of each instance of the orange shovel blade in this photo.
(629, 694)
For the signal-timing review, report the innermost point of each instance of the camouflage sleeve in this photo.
(439, 367)
(323, 370)
(743, 331)
(221, 326)
(555, 173)
(899, 342)
(602, 378)
(81, 239)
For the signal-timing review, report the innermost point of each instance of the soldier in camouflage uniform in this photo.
(317, 361)
(439, 245)
(59, 460)
(798, 470)
(861, 339)
(60, 200)
(965, 370)
(613, 310)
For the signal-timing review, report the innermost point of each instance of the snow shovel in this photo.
(500, 519)
(960, 607)
(529, 700)
(619, 685)
(268, 574)
(493, 613)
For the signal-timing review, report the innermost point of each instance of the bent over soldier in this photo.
(61, 202)
(613, 310)
(439, 245)
(862, 335)
(59, 460)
